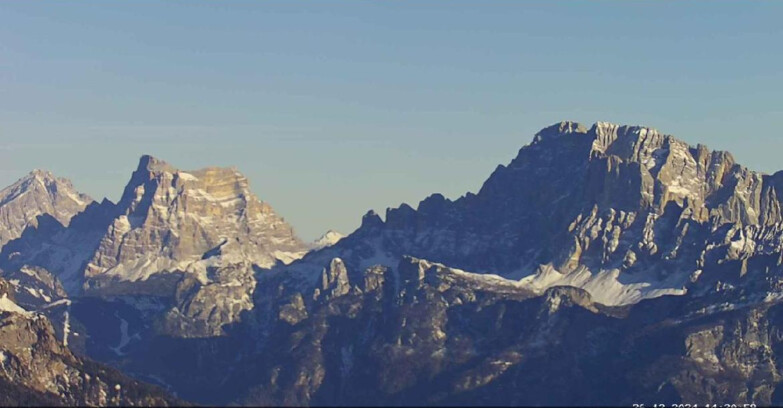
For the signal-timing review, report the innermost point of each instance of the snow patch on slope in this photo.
(607, 286)
(330, 238)
(8, 305)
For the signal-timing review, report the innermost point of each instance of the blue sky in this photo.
(334, 108)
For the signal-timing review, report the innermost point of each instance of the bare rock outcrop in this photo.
(37, 193)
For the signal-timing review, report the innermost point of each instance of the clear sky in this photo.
(335, 108)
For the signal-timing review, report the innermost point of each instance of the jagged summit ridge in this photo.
(625, 212)
(672, 170)
(195, 237)
(177, 216)
(151, 163)
(675, 248)
(600, 131)
(571, 252)
(39, 192)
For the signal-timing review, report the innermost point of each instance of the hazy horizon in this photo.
(334, 109)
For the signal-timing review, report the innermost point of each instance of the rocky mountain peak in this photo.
(42, 181)
(603, 135)
(152, 164)
(41, 173)
(39, 192)
(168, 218)
(371, 220)
(592, 240)
(329, 238)
(623, 211)
(194, 237)
(560, 129)
(633, 167)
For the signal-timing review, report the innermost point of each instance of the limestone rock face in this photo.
(192, 240)
(614, 264)
(169, 218)
(625, 212)
(334, 280)
(39, 192)
(202, 309)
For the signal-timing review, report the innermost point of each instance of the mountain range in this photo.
(604, 265)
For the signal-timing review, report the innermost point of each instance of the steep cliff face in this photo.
(62, 250)
(627, 262)
(39, 192)
(169, 219)
(625, 212)
(188, 240)
(613, 264)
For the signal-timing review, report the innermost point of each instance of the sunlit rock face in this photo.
(192, 240)
(196, 237)
(614, 264)
(625, 212)
(39, 192)
(169, 219)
